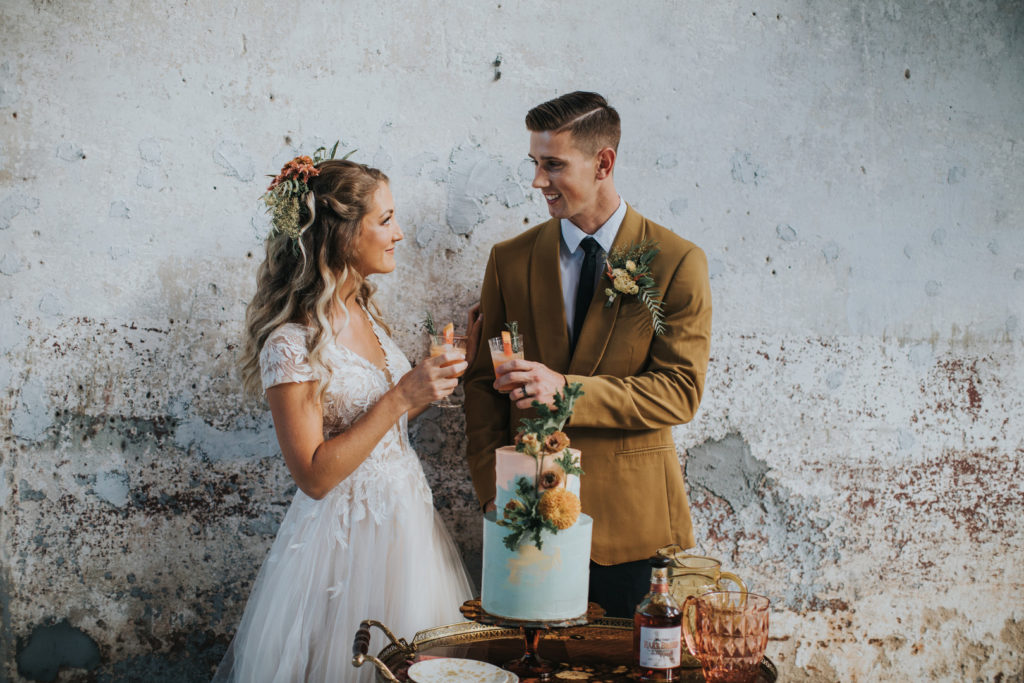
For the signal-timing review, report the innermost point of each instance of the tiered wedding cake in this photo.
(537, 544)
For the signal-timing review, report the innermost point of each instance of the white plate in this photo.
(452, 670)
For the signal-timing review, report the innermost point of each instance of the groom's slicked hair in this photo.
(594, 123)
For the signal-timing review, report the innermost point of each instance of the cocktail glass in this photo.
(438, 346)
(505, 348)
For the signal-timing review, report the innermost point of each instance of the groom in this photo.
(637, 384)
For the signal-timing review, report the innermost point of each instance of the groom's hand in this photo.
(528, 381)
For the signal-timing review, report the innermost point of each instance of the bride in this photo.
(361, 538)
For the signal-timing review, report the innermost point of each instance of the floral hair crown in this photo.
(288, 192)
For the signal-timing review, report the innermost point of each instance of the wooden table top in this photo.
(598, 652)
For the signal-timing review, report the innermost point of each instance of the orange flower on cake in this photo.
(556, 442)
(552, 479)
(561, 507)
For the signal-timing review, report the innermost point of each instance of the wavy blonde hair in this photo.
(299, 282)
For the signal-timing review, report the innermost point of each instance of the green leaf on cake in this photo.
(550, 421)
(522, 515)
(569, 464)
(524, 519)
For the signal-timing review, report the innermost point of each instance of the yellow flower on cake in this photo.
(530, 444)
(561, 506)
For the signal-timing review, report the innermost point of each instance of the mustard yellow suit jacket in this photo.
(636, 385)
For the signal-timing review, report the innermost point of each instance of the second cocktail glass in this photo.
(505, 348)
(438, 345)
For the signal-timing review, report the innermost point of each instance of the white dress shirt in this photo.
(570, 257)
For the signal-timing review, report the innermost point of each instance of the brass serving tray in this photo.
(599, 651)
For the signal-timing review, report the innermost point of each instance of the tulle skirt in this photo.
(324, 575)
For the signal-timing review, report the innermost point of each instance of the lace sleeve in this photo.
(283, 358)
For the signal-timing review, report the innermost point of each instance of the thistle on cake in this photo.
(544, 503)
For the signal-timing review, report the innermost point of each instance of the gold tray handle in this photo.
(361, 647)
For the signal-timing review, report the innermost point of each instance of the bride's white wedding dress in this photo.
(373, 548)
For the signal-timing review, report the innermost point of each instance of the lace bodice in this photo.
(355, 385)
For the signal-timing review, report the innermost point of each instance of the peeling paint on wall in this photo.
(13, 205)
(473, 176)
(858, 453)
(51, 648)
(235, 160)
(9, 92)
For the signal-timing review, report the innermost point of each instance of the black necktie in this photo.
(585, 291)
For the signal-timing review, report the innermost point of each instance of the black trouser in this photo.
(619, 588)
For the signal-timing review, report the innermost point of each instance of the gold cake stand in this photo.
(530, 664)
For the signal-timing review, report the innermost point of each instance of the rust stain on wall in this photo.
(857, 456)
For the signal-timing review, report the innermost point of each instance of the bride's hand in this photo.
(428, 381)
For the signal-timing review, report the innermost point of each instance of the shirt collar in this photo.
(605, 235)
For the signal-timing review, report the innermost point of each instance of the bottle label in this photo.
(660, 648)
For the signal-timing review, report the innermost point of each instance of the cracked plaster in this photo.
(857, 456)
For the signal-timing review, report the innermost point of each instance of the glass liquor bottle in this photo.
(657, 628)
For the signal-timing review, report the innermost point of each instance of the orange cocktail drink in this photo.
(438, 346)
(505, 348)
(443, 343)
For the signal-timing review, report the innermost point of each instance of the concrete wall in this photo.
(853, 170)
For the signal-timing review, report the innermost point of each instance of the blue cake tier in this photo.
(537, 584)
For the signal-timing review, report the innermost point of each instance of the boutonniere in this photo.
(629, 270)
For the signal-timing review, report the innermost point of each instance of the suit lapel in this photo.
(550, 332)
(600, 321)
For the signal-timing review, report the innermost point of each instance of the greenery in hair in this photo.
(284, 197)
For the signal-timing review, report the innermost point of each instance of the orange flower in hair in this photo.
(300, 168)
(286, 195)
